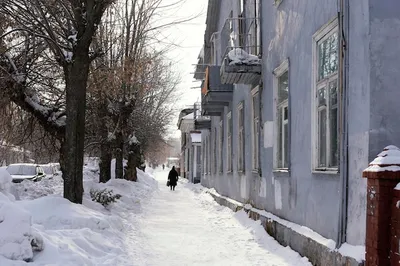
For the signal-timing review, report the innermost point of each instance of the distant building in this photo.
(191, 148)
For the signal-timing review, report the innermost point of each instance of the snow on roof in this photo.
(189, 116)
(196, 137)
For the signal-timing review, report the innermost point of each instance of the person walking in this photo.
(173, 178)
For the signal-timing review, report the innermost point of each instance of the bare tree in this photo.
(62, 31)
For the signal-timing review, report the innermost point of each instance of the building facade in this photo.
(301, 95)
(191, 148)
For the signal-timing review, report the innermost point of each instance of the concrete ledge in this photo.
(317, 253)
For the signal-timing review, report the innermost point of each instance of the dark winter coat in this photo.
(173, 177)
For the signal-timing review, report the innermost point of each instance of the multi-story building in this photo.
(191, 148)
(301, 95)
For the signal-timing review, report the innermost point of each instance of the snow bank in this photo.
(356, 252)
(28, 190)
(279, 255)
(6, 184)
(17, 237)
(71, 234)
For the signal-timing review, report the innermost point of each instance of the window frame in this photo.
(241, 139)
(278, 107)
(321, 35)
(229, 158)
(255, 137)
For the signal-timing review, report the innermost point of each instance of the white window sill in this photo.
(281, 170)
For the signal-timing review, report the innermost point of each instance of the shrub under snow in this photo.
(104, 196)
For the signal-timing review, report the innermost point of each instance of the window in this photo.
(215, 43)
(255, 127)
(221, 139)
(258, 27)
(229, 142)
(241, 137)
(326, 137)
(282, 147)
(242, 20)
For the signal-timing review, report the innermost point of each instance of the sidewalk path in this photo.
(186, 227)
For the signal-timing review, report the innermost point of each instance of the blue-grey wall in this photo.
(301, 196)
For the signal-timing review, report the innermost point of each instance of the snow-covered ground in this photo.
(148, 225)
(187, 227)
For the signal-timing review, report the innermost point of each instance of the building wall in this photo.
(358, 119)
(303, 196)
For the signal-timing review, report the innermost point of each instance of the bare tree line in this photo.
(85, 75)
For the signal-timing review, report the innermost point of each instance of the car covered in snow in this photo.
(50, 170)
(24, 171)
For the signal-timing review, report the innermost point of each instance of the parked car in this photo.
(49, 169)
(25, 171)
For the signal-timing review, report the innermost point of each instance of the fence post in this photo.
(383, 175)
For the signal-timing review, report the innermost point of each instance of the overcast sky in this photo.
(188, 39)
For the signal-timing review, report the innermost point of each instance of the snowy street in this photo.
(187, 227)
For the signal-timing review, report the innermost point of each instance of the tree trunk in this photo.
(134, 161)
(105, 163)
(76, 81)
(105, 146)
(62, 157)
(119, 156)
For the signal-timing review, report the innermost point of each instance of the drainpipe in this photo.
(260, 90)
(343, 16)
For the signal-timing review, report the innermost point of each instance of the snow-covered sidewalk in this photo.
(187, 227)
(148, 225)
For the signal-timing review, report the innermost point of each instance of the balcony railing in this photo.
(241, 62)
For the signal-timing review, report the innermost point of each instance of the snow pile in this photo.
(28, 190)
(17, 238)
(268, 242)
(356, 252)
(239, 56)
(5, 182)
(69, 234)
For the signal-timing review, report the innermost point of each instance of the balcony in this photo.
(241, 62)
(201, 122)
(215, 95)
